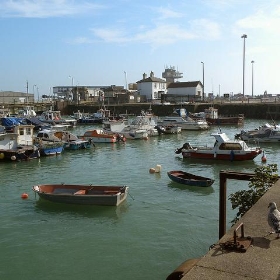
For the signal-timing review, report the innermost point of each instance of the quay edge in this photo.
(269, 111)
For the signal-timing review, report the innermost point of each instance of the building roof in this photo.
(184, 84)
(151, 79)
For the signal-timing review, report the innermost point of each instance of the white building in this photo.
(194, 88)
(151, 87)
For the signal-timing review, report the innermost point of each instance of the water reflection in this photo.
(72, 211)
(203, 191)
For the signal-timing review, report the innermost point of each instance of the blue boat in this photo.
(48, 148)
(189, 179)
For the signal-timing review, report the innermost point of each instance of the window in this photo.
(21, 131)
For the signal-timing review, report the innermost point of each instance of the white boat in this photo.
(264, 134)
(121, 127)
(18, 145)
(171, 129)
(70, 140)
(54, 118)
(181, 119)
(146, 121)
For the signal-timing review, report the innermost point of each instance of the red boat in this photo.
(212, 117)
(223, 149)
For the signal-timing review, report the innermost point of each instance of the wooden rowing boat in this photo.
(83, 194)
(185, 178)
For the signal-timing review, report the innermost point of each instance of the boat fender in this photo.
(2, 155)
(13, 157)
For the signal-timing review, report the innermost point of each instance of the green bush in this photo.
(264, 178)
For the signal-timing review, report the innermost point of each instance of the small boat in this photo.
(70, 141)
(181, 118)
(82, 194)
(264, 134)
(54, 118)
(185, 178)
(128, 131)
(101, 136)
(212, 117)
(169, 129)
(49, 148)
(223, 149)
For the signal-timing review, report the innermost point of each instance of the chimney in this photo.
(152, 74)
(144, 76)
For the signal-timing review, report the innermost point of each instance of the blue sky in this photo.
(95, 42)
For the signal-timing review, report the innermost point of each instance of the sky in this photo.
(48, 43)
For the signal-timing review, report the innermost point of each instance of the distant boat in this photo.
(181, 118)
(223, 149)
(70, 141)
(54, 118)
(185, 178)
(101, 136)
(83, 194)
(212, 117)
(264, 134)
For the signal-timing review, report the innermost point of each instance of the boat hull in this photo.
(189, 179)
(230, 156)
(83, 194)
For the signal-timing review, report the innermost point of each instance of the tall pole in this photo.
(27, 91)
(203, 80)
(34, 91)
(252, 77)
(125, 80)
(244, 36)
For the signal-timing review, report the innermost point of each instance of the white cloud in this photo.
(166, 13)
(44, 8)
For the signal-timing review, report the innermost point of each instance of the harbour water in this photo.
(160, 225)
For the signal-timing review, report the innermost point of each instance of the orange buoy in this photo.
(263, 157)
(24, 196)
(152, 170)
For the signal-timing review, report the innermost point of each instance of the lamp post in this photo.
(244, 36)
(202, 80)
(34, 91)
(252, 77)
(70, 77)
(38, 94)
(125, 76)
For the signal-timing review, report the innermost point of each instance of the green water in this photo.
(160, 225)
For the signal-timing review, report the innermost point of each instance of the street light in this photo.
(202, 80)
(125, 76)
(70, 77)
(244, 36)
(252, 77)
(34, 91)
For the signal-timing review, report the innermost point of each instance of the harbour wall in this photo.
(269, 111)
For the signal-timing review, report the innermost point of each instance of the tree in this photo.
(263, 180)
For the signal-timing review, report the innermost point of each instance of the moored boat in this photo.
(189, 179)
(181, 118)
(212, 117)
(48, 148)
(18, 145)
(264, 134)
(223, 149)
(101, 136)
(82, 194)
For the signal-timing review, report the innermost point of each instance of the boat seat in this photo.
(80, 192)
